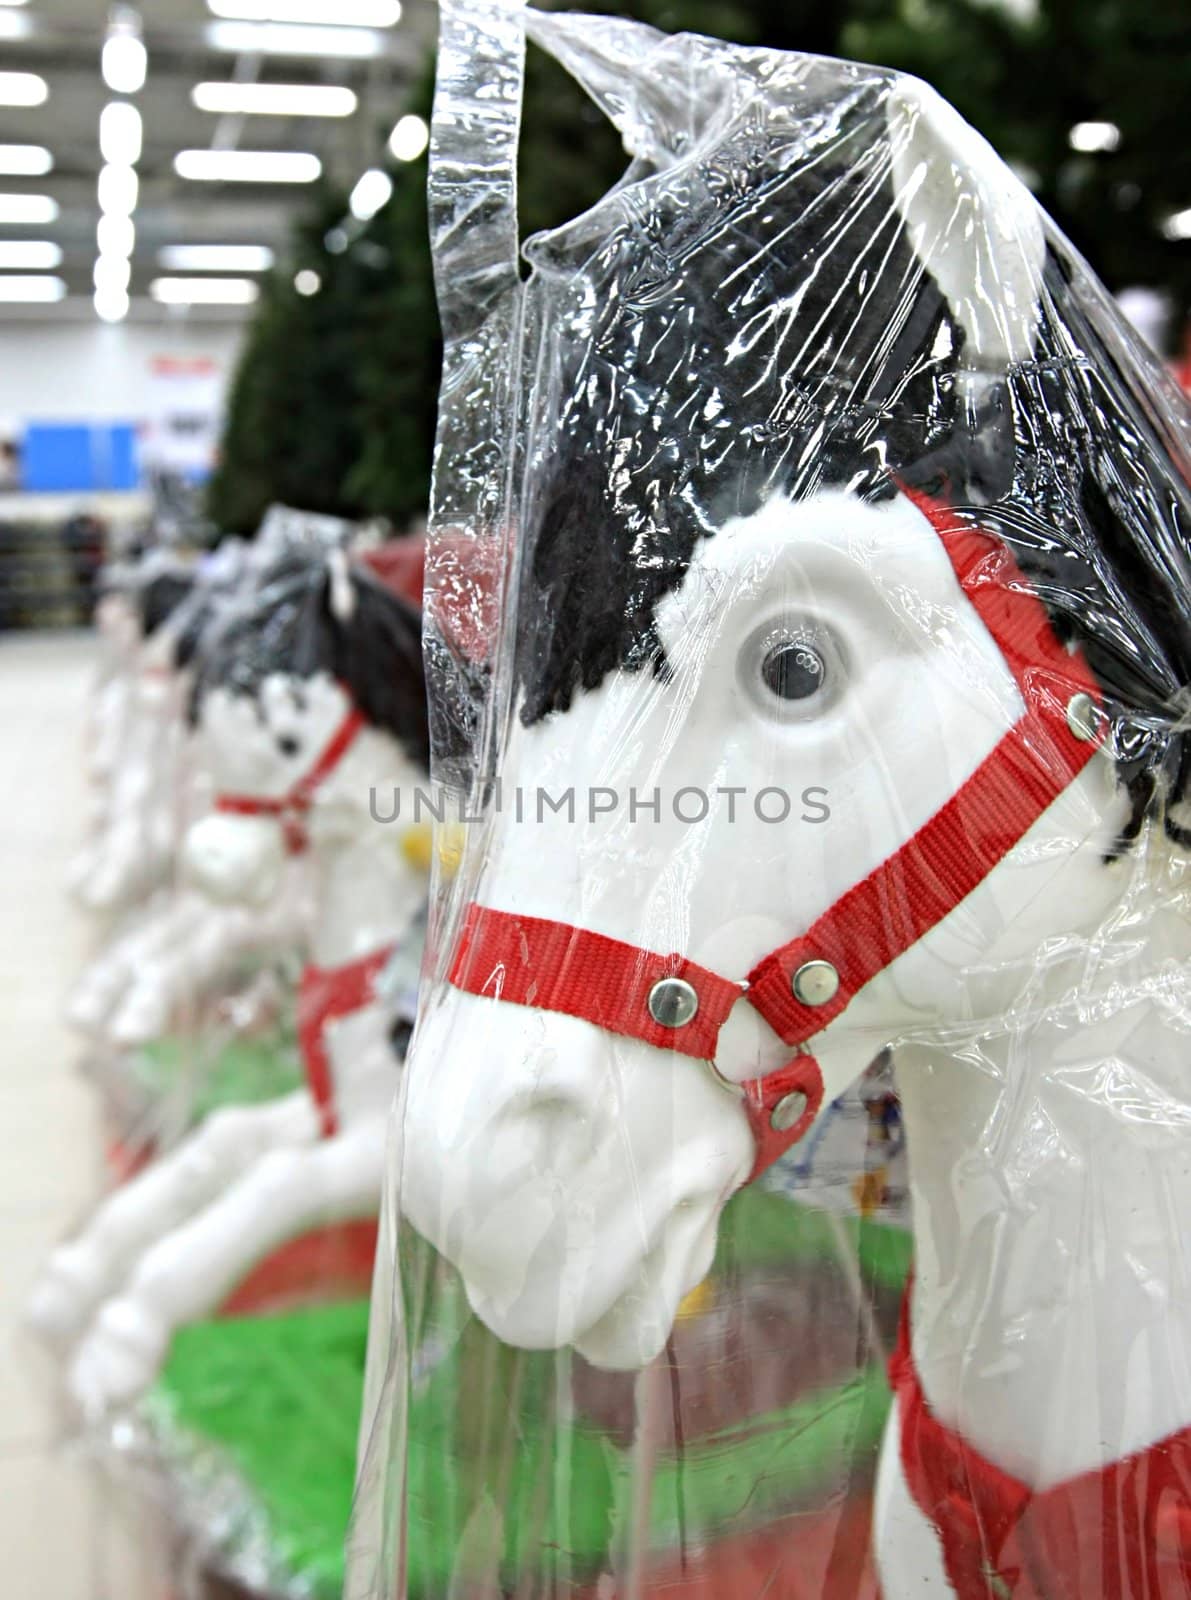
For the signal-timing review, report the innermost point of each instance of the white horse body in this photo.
(169, 1246)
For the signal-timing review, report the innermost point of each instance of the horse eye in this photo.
(793, 671)
(288, 745)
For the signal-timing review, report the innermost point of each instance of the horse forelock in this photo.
(291, 627)
(798, 345)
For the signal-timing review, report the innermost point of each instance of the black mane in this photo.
(795, 343)
(291, 627)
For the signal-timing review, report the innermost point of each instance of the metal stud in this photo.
(672, 1002)
(815, 983)
(1081, 716)
(789, 1110)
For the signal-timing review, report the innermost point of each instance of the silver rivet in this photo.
(672, 1002)
(815, 983)
(789, 1109)
(1081, 716)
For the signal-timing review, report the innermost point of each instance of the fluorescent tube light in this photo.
(115, 235)
(344, 13)
(280, 39)
(111, 305)
(204, 291)
(247, 166)
(112, 272)
(25, 160)
(124, 61)
(120, 134)
(34, 290)
(29, 255)
(22, 208)
(1094, 138)
(215, 257)
(370, 194)
(274, 99)
(118, 189)
(409, 138)
(23, 89)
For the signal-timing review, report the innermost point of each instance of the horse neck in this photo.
(1051, 1313)
(368, 894)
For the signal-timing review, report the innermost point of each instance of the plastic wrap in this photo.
(807, 616)
(212, 1311)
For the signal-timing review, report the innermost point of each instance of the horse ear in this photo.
(973, 224)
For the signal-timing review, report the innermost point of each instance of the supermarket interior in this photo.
(751, 1164)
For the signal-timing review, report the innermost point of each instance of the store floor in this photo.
(63, 1536)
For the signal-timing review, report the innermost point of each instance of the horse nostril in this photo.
(288, 745)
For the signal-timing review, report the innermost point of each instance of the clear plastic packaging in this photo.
(807, 622)
(211, 1312)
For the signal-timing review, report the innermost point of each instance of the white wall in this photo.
(90, 371)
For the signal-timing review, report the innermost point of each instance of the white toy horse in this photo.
(309, 702)
(137, 754)
(854, 491)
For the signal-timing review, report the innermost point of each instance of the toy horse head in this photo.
(304, 701)
(853, 612)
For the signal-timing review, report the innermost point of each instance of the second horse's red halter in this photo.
(291, 808)
(675, 1004)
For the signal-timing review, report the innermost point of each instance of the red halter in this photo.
(555, 967)
(290, 809)
(324, 995)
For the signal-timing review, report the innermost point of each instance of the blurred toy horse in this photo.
(857, 482)
(307, 702)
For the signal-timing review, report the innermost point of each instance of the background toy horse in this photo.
(307, 702)
(137, 743)
(856, 481)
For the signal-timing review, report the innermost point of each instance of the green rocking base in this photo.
(273, 1400)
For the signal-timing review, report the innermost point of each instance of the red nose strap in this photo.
(554, 967)
(803, 985)
(291, 809)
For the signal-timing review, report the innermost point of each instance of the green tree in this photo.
(333, 407)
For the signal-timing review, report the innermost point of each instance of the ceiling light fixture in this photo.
(280, 39)
(247, 166)
(14, 26)
(23, 89)
(111, 305)
(370, 194)
(115, 236)
(1094, 138)
(409, 138)
(112, 273)
(307, 282)
(25, 208)
(1177, 225)
(215, 257)
(29, 255)
(274, 99)
(344, 13)
(120, 134)
(25, 160)
(118, 188)
(32, 290)
(204, 291)
(124, 60)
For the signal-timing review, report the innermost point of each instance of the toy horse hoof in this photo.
(144, 1015)
(119, 1358)
(64, 1296)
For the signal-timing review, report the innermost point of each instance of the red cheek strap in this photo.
(290, 809)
